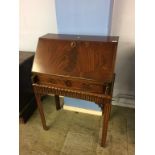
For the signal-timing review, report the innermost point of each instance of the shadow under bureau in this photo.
(75, 66)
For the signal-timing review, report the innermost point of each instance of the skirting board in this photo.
(125, 103)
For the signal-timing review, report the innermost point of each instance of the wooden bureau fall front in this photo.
(75, 66)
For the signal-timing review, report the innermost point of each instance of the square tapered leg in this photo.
(106, 111)
(41, 112)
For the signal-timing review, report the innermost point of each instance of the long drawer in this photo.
(83, 85)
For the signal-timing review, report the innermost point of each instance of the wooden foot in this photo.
(57, 102)
(41, 112)
(106, 110)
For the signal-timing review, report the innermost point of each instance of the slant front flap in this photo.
(92, 60)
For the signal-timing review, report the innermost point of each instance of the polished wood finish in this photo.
(106, 110)
(67, 82)
(76, 66)
(40, 108)
(87, 60)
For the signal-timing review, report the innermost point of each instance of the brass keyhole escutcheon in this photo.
(73, 44)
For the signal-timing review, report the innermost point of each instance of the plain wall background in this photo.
(38, 17)
(123, 22)
(83, 16)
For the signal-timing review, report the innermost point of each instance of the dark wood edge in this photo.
(71, 78)
(44, 90)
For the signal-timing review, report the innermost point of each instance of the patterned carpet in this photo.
(73, 133)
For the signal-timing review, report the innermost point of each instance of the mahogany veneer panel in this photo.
(91, 60)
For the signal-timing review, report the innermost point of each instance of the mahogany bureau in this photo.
(75, 66)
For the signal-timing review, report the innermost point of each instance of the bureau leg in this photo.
(40, 108)
(57, 102)
(106, 110)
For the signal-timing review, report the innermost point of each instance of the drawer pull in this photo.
(73, 44)
(68, 83)
(52, 81)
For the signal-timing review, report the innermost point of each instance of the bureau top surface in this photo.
(80, 57)
(81, 37)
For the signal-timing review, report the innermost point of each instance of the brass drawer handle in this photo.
(52, 81)
(73, 44)
(68, 83)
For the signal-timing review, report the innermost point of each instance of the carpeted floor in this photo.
(73, 133)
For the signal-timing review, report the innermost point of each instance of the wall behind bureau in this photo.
(37, 17)
(123, 22)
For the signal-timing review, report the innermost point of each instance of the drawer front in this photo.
(72, 84)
